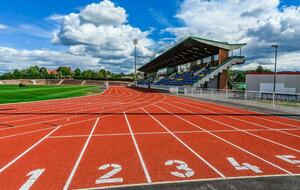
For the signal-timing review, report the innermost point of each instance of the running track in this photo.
(126, 137)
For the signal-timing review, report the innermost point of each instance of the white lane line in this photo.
(138, 151)
(234, 145)
(80, 156)
(156, 133)
(227, 108)
(243, 131)
(239, 119)
(29, 149)
(185, 145)
(26, 133)
(26, 125)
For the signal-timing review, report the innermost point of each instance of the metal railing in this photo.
(284, 101)
(279, 101)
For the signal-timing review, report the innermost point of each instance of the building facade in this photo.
(286, 82)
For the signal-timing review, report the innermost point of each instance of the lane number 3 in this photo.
(183, 169)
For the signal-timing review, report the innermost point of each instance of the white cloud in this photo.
(287, 61)
(11, 58)
(259, 23)
(101, 30)
(103, 13)
(3, 27)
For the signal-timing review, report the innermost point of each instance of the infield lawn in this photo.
(14, 93)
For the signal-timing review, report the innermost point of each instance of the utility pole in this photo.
(135, 43)
(275, 74)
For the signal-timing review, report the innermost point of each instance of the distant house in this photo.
(53, 72)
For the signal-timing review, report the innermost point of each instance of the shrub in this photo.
(21, 85)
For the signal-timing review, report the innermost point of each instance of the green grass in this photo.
(14, 93)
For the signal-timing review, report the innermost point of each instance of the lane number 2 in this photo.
(244, 166)
(33, 176)
(185, 171)
(107, 178)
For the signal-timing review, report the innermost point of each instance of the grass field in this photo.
(14, 93)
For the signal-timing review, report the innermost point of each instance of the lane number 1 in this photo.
(34, 175)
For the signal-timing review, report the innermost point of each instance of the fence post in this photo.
(192, 91)
(226, 94)
(201, 95)
(246, 96)
(273, 99)
(212, 93)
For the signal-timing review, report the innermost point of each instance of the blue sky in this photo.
(36, 32)
(145, 15)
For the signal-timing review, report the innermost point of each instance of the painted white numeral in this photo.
(244, 166)
(116, 168)
(181, 165)
(34, 175)
(289, 158)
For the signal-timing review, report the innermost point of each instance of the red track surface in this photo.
(127, 137)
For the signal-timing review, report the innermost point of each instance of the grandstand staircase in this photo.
(200, 71)
(231, 83)
(60, 82)
(83, 82)
(220, 69)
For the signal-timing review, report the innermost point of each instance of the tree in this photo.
(87, 74)
(261, 69)
(43, 72)
(65, 71)
(33, 72)
(16, 74)
(102, 74)
(237, 75)
(77, 73)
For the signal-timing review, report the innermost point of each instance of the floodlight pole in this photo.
(275, 73)
(135, 42)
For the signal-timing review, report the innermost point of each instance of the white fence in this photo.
(287, 102)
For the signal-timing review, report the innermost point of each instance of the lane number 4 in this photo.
(243, 166)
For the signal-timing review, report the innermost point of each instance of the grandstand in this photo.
(71, 82)
(194, 62)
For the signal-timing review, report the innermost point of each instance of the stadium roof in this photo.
(188, 50)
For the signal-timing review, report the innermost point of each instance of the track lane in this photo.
(264, 149)
(156, 144)
(102, 151)
(287, 140)
(202, 143)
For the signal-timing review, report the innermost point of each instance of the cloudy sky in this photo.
(94, 34)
